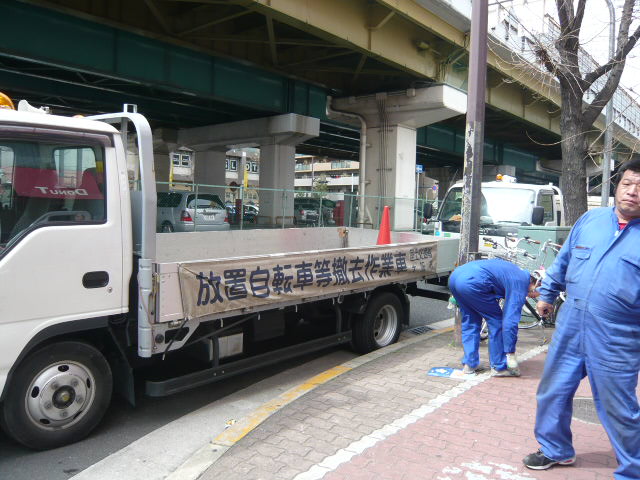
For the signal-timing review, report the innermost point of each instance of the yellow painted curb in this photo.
(444, 330)
(238, 430)
(234, 433)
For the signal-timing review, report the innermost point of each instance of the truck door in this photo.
(545, 199)
(61, 235)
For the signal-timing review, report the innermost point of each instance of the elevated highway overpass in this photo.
(192, 63)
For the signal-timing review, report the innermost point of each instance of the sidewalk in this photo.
(384, 418)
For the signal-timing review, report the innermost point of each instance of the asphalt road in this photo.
(124, 424)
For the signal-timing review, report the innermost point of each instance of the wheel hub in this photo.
(385, 324)
(63, 397)
(60, 395)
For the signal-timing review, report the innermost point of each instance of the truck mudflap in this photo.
(211, 288)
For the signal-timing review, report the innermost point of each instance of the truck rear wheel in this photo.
(379, 325)
(57, 396)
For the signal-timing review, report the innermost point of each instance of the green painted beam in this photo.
(222, 90)
(451, 141)
(88, 99)
(68, 42)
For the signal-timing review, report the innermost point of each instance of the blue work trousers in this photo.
(613, 387)
(476, 300)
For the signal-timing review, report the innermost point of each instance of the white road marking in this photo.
(332, 462)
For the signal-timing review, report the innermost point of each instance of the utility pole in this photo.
(608, 144)
(474, 132)
(473, 141)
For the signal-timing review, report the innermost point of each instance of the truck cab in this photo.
(505, 205)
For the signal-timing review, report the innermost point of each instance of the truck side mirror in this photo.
(427, 210)
(538, 215)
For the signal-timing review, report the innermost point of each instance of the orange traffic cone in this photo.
(384, 236)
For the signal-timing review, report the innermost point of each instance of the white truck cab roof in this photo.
(522, 186)
(44, 120)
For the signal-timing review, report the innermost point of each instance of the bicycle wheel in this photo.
(531, 318)
(484, 330)
(557, 305)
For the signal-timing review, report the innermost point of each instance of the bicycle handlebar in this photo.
(525, 239)
(554, 246)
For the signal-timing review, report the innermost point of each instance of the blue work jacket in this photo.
(599, 267)
(501, 279)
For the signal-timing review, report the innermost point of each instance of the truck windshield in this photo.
(500, 205)
(45, 183)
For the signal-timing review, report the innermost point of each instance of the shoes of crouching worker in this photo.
(539, 461)
(507, 372)
(466, 369)
(512, 361)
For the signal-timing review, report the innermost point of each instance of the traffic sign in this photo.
(419, 168)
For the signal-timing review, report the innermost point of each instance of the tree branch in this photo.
(625, 21)
(619, 57)
(543, 56)
(565, 14)
(577, 21)
(592, 111)
(568, 43)
(567, 73)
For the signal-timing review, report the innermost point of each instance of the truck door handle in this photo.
(97, 279)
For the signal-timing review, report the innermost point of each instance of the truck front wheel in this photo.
(379, 325)
(57, 396)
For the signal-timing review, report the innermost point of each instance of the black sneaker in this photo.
(539, 461)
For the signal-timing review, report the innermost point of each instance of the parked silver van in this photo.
(188, 212)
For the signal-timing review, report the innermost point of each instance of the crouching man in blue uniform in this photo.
(597, 332)
(477, 287)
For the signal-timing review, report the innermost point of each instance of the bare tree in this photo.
(577, 117)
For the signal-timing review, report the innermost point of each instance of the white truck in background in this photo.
(505, 205)
(91, 294)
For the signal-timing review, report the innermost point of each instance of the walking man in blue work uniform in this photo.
(477, 287)
(597, 332)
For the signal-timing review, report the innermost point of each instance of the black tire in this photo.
(557, 305)
(530, 318)
(57, 396)
(167, 228)
(379, 325)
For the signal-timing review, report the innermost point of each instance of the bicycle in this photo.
(562, 297)
(524, 259)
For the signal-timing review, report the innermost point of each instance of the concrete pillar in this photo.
(209, 172)
(277, 169)
(390, 165)
(489, 172)
(277, 136)
(391, 174)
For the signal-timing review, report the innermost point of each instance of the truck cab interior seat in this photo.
(91, 194)
(34, 196)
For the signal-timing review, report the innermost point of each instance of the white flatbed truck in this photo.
(91, 297)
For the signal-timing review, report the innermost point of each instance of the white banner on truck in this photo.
(212, 287)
